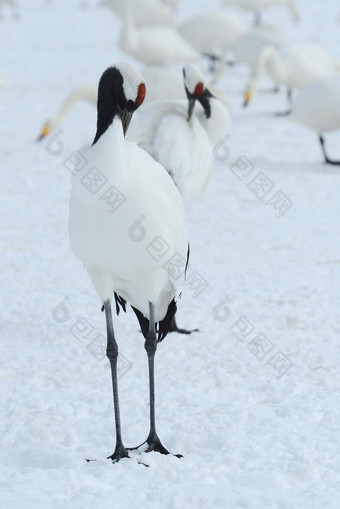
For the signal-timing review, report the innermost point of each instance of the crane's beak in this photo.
(192, 101)
(125, 117)
(44, 132)
(247, 98)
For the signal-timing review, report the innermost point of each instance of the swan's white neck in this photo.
(76, 96)
(270, 60)
(291, 4)
(128, 37)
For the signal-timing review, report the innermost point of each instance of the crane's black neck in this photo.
(112, 102)
(204, 99)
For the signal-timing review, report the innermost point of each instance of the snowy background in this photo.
(258, 428)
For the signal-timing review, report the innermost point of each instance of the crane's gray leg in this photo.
(150, 345)
(327, 160)
(112, 354)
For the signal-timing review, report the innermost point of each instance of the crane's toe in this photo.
(119, 453)
(183, 331)
(154, 445)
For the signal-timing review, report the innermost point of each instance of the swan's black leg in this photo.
(290, 98)
(257, 18)
(290, 104)
(327, 160)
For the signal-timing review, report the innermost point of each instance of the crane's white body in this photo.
(317, 105)
(294, 67)
(154, 45)
(184, 148)
(145, 12)
(103, 241)
(212, 31)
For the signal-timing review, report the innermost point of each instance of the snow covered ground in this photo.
(252, 401)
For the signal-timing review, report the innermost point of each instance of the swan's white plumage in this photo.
(247, 49)
(154, 45)
(260, 5)
(212, 31)
(79, 94)
(11, 3)
(100, 239)
(295, 66)
(171, 3)
(145, 12)
(317, 106)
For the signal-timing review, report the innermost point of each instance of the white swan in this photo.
(80, 94)
(212, 31)
(13, 4)
(131, 233)
(171, 3)
(154, 45)
(145, 12)
(247, 48)
(258, 6)
(293, 67)
(317, 107)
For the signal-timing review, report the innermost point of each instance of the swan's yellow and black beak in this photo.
(247, 98)
(44, 132)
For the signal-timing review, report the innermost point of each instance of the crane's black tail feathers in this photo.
(162, 327)
(120, 303)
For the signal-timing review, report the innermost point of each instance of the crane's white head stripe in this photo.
(132, 79)
(192, 76)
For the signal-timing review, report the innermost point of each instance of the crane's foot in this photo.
(183, 331)
(175, 328)
(119, 453)
(154, 445)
